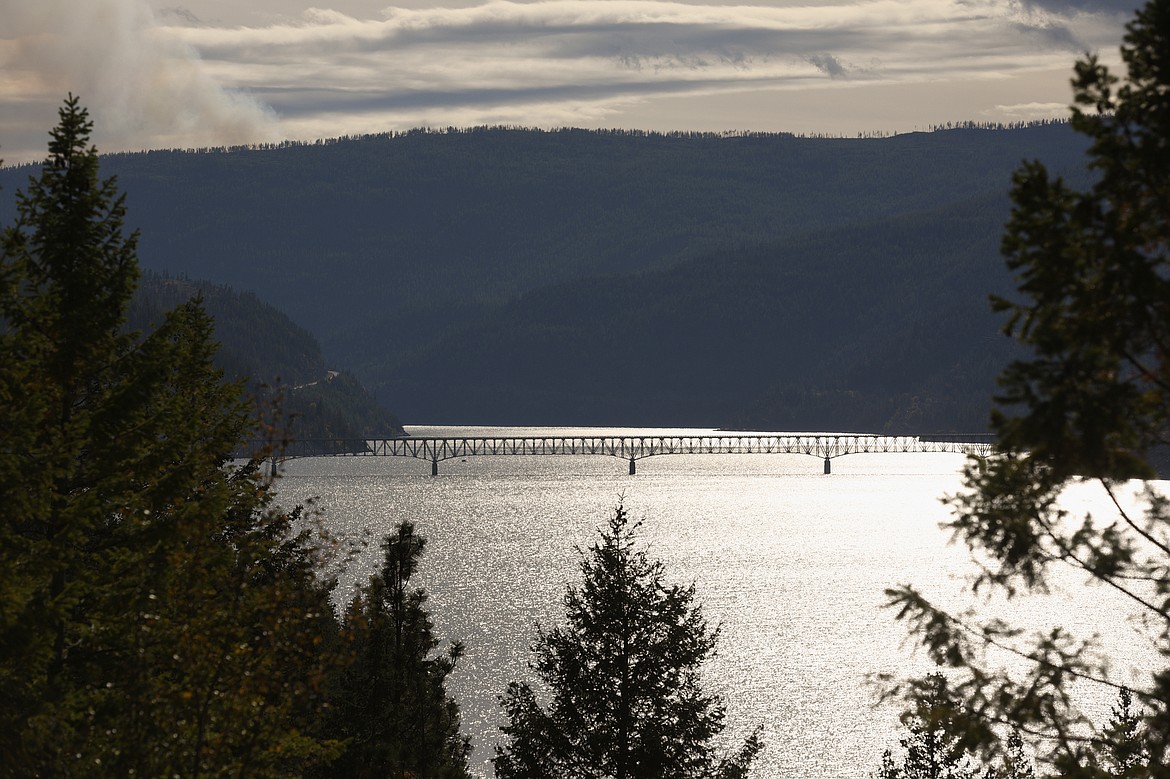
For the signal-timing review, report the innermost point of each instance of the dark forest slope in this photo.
(415, 258)
(867, 328)
(273, 356)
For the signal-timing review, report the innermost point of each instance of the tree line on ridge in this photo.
(400, 253)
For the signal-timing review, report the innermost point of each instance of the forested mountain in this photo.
(862, 328)
(273, 356)
(523, 276)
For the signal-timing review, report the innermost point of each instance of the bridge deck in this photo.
(633, 448)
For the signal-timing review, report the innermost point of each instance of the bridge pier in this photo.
(633, 466)
(828, 466)
(434, 467)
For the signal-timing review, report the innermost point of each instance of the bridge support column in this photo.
(434, 467)
(828, 465)
(633, 466)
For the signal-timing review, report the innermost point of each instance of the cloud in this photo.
(558, 49)
(177, 80)
(143, 88)
(1118, 7)
(510, 46)
(179, 13)
(828, 64)
(1026, 112)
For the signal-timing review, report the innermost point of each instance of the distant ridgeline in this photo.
(272, 355)
(514, 276)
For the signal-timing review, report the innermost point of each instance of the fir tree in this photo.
(622, 679)
(1089, 403)
(1016, 763)
(157, 615)
(933, 750)
(939, 743)
(391, 701)
(1121, 750)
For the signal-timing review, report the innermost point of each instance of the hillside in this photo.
(585, 277)
(273, 357)
(867, 328)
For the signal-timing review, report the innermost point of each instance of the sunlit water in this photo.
(789, 562)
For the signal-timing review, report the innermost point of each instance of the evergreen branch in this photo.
(1159, 545)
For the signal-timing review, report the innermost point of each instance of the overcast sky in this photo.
(193, 73)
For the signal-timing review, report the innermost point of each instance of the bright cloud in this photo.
(173, 80)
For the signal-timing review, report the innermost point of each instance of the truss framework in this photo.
(634, 448)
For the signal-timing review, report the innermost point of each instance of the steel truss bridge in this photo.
(636, 447)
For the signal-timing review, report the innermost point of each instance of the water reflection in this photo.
(790, 562)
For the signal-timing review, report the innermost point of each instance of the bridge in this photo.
(636, 447)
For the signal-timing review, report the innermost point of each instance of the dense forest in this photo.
(591, 277)
(279, 362)
(160, 615)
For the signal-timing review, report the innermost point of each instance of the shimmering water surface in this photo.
(789, 562)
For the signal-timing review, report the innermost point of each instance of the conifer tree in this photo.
(622, 680)
(933, 747)
(940, 742)
(391, 702)
(1016, 763)
(157, 615)
(1121, 751)
(1090, 404)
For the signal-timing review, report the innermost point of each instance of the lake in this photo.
(789, 562)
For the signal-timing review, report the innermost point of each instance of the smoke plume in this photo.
(143, 87)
